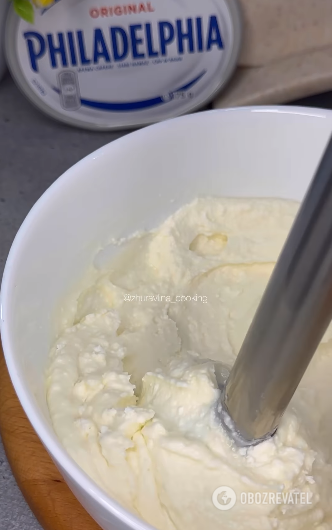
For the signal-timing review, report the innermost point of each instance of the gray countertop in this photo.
(34, 151)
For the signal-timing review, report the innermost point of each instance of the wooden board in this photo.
(47, 494)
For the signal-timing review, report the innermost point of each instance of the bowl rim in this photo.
(44, 431)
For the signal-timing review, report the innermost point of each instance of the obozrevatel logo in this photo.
(224, 498)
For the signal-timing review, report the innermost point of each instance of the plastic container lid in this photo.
(108, 66)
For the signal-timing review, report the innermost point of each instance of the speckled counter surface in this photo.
(34, 151)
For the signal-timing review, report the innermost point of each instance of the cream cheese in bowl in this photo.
(132, 388)
(173, 469)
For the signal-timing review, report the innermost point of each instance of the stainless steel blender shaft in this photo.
(291, 320)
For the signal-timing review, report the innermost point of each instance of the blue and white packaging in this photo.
(107, 66)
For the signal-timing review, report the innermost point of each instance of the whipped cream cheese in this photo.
(132, 386)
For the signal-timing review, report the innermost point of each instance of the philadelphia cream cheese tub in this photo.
(130, 185)
(124, 65)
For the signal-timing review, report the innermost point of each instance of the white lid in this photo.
(108, 66)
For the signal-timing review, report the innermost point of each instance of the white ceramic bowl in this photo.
(130, 184)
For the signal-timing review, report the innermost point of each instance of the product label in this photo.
(127, 64)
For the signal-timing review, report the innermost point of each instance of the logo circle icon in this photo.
(224, 498)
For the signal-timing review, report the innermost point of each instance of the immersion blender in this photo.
(290, 322)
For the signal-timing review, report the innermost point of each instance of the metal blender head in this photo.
(289, 324)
